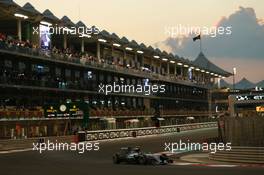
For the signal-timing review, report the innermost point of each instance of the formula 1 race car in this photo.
(136, 156)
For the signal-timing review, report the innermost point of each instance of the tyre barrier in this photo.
(155, 131)
(148, 132)
(125, 133)
(101, 136)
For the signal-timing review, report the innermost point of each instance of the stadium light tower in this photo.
(234, 73)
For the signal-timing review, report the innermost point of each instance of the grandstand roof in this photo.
(150, 48)
(124, 40)
(115, 36)
(202, 62)
(48, 14)
(244, 84)
(8, 2)
(143, 46)
(81, 24)
(28, 7)
(158, 51)
(260, 84)
(133, 43)
(67, 21)
(104, 33)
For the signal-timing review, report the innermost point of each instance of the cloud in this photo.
(251, 69)
(245, 42)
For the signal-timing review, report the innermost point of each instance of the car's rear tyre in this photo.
(153, 162)
(170, 161)
(142, 160)
(116, 159)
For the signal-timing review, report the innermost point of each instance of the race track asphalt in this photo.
(100, 162)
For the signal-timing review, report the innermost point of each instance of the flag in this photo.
(197, 37)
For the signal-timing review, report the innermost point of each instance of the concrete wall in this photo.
(10, 144)
(245, 131)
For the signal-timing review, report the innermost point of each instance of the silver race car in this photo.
(136, 156)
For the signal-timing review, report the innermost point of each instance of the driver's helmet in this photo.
(137, 149)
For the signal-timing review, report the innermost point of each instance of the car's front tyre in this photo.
(116, 159)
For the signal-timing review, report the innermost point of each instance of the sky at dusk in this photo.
(146, 20)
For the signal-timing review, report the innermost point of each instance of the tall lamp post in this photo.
(234, 73)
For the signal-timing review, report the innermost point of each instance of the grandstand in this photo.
(38, 69)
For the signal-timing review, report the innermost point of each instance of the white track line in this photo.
(15, 151)
(230, 166)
